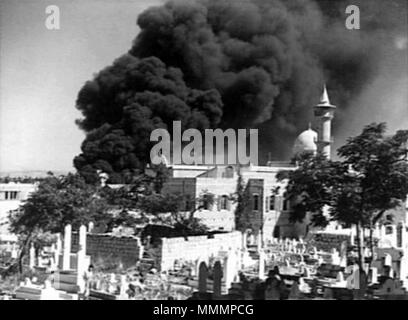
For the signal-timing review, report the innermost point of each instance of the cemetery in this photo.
(223, 266)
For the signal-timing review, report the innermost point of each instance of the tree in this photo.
(59, 200)
(370, 178)
(242, 198)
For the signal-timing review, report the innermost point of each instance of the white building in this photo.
(11, 197)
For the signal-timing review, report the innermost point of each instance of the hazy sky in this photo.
(41, 72)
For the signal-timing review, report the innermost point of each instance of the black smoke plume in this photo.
(230, 64)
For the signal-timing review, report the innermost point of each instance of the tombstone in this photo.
(328, 294)
(383, 232)
(367, 252)
(112, 283)
(91, 226)
(352, 236)
(259, 242)
(14, 252)
(47, 284)
(32, 257)
(252, 239)
(340, 277)
(343, 262)
(307, 273)
(373, 275)
(353, 281)
(27, 282)
(387, 260)
(335, 257)
(244, 240)
(202, 277)
(294, 293)
(123, 285)
(230, 269)
(67, 248)
(261, 269)
(58, 246)
(217, 277)
(391, 273)
(377, 231)
(81, 261)
(303, 286)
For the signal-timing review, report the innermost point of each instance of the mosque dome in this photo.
(306, 142)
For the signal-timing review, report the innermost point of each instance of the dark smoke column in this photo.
(228, 64)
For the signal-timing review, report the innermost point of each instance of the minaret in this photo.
(324, 113)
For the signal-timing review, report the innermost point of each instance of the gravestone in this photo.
(294, 292)
(340, 277)
(373, 278)
(123, 285)
(32, 257)
(261, 269)
(202, 277)
(387, 260)
(67, 247)
(217, 276)
(81, 261)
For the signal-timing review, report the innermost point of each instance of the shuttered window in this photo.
(255, 202)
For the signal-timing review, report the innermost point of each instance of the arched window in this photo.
(255, 199)
(272, 202)
(224, 202)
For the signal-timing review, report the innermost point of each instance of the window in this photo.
(10, 195)
(276, 232)
(286, 203)
(272, 202)
(188, 203)
(229, 172)
(207, 202)
(256, 202)
(224, 202)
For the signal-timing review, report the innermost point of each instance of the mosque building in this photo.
(268, 210)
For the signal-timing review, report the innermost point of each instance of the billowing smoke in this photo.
(239, 64)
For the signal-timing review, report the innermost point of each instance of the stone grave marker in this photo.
(202, 277)
(67, 247)
(32, 257)
(217, 277)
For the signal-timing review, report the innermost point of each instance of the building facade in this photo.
(12, 196)
(268, 210)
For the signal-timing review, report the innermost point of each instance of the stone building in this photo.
(268, 210)
(11, 197)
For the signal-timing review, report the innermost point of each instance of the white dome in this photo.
(306, 141)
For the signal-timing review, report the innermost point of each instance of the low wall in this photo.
(325, 241)
(109, 248)
(194, 248)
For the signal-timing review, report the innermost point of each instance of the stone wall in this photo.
(109, 248)
(325, 241)
(196, 248)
